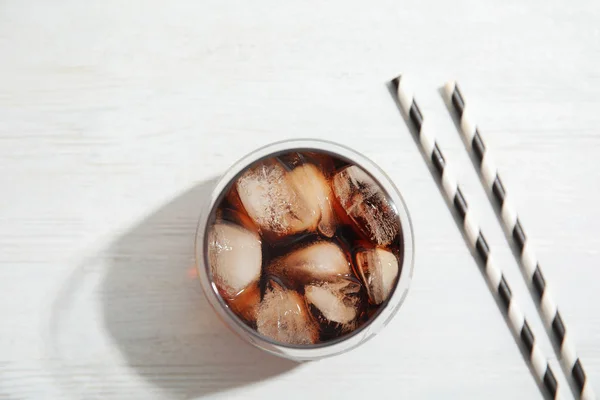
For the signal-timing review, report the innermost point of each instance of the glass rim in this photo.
(346, 342)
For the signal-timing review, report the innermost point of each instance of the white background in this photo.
(116, 115)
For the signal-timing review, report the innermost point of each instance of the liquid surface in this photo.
(305, 247)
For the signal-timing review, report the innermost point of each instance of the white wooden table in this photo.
(115, 117)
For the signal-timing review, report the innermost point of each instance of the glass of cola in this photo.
(305, 249)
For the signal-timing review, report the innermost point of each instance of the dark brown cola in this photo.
(305, 247)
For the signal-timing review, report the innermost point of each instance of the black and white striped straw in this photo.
(496, 279)
(531, 268)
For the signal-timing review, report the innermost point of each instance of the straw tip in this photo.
(396, 82)
(449, 88)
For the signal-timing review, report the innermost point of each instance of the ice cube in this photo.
(273, 201)
(316, 192)
(365, 203)
(335, 302)
(282, 316)
(235, 257)
(378, 269)
(318, 262)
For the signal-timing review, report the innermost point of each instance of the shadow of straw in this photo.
(156, 315)
(392, 88)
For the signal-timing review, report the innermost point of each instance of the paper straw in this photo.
(530, 266)
(496, 279)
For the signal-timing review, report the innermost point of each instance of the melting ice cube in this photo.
(318, 262)
(282, 316)
(378, 269)
(316, 192)
(273, 201)
(235, 257)
(366, 204)
(335, 302)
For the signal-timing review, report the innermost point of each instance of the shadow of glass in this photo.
(155, 313)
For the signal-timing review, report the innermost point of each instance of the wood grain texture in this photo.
(116, 117)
